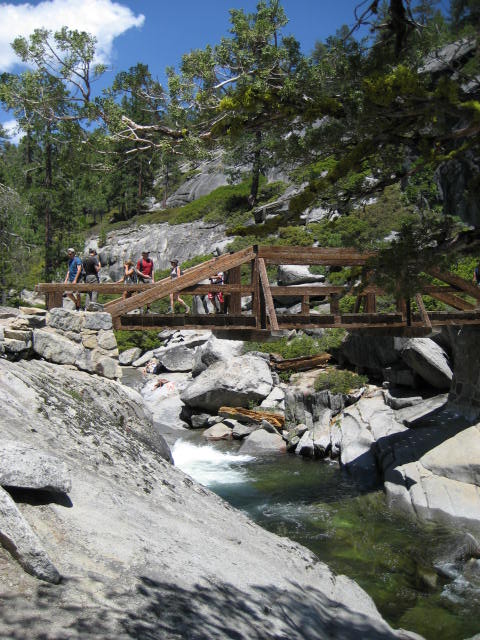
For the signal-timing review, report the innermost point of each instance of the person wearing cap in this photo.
(92, 267)
(73, 275)
(144, 269)
(174, 297)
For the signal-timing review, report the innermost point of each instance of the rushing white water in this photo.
(208, 465)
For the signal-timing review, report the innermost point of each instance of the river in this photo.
(354, 533)
(407, 568)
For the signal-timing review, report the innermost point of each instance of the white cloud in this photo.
(11, 127)
(105, 19)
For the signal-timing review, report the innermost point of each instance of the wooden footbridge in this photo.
(462, 298)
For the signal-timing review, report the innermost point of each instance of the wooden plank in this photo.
(423, 311)
(189, 278)
(456, 281)
(234, 304)
(314, 255)
(452, 300)
(268, 294)
(82, 287)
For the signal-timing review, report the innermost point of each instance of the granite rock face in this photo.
(85, 340)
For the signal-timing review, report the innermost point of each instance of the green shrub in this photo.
(339, 381)
(300, 346)
(145, 340)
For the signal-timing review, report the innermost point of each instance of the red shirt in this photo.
(145, 267)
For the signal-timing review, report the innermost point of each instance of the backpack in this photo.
(83, 273)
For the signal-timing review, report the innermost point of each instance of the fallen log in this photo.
(300, 364)
(248, 416)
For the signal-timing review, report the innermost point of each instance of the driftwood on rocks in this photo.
(247, 415)
(303, 363)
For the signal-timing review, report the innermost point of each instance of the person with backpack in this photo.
(476, 275)
(91, 267)
(73, 275)
(216, 297)
(144, 268)
(174, 297)
(129, 277)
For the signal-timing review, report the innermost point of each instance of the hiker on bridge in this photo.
(174, 297)
(144, 268)
(91, 264)
(129, 277)
(74, 272)
(216, 297)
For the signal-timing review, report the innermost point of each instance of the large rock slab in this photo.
(235, 383)
(457, 458)
(17, 536)
(429, 361)
(25, 466)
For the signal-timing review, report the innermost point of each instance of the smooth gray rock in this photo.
(17, 536)
(241, 431)
(261, 441)
(129, 355)
(409, 415)
(457, 458)
(235, 383)
(177, 358)
(215, 350)
(429, 361)
(25, 466)
(219, 431)
(199, 420)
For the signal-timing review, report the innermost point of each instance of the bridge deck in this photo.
(265, 318)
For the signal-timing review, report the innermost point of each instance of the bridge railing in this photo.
(461, 296)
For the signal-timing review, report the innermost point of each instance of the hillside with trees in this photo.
(380, 132)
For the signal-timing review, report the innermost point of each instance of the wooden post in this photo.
(334, 304)
(255, 282)
(305, 306)
(235, 301)
(402, 307)
(423, 311)
(54, 300)
(267, 294)
(408, 312)
(370, 303)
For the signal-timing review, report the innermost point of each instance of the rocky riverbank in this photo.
(140, 549)
(107, 520)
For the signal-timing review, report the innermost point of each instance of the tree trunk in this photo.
(252, 198)
(48, 213)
